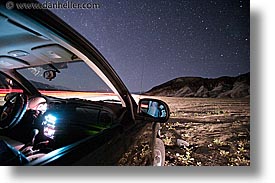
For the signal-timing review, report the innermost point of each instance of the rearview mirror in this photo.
(153, 109)
(49, 74)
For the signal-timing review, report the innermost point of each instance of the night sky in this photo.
(166, 39)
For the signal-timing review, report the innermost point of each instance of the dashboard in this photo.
(50, 123)
(64, 121)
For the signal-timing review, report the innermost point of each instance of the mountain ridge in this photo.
(221, 87)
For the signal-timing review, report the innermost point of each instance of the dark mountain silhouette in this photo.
(222, 87)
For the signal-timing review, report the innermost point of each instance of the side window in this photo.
(7, 85)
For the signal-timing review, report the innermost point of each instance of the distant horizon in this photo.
(150, 42)
(138, 92)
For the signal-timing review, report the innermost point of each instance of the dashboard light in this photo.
(50, 118)
(49, 126)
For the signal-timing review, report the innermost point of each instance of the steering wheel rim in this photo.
(13, 110)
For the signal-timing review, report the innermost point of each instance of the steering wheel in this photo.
(13, 110)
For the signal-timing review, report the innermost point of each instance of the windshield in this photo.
(68, 80)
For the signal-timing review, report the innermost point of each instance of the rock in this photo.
(182, 143)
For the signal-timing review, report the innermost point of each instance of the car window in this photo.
(7, 85)
(72, 80)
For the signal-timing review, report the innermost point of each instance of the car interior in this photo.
(33, 124)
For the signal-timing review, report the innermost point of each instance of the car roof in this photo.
(21, 47)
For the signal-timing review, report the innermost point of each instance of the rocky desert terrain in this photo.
(201, 132)
(209, 123)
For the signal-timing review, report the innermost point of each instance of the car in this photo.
(63, 103)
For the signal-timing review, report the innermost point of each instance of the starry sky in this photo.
(151, 42)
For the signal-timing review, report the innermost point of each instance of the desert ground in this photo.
(202, 132)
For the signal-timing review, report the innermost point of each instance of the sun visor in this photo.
(52, 53)
(7, 62)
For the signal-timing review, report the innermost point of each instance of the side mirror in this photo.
(153, 110)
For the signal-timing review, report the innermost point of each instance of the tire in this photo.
(159, 153)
